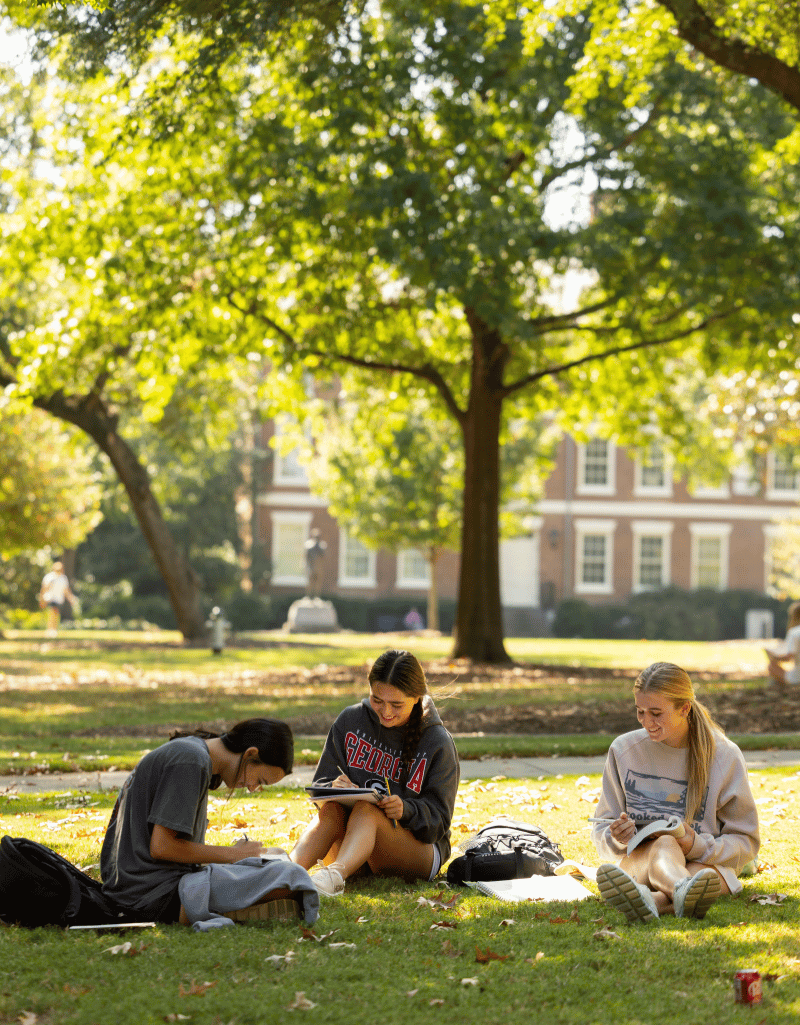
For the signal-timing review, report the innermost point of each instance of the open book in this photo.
(545, 888)
(673, 826)
(344, 795)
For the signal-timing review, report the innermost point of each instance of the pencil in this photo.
(389, 791)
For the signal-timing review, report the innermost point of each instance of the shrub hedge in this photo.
(671, 614)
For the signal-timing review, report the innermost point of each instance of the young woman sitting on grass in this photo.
(680, 763)
(789, 651)
(156, 834)
(394, 736)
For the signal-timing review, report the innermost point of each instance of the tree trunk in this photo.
(433, 590)
(479, 619)
(182, 583)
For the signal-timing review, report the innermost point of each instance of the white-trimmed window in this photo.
(652, 546)
(783, 475)
(413, 569)
(356, 563)
(287, 468)
(710, 543)
(743, 480)
(653, 472)
(594, 556)
(289, 536)
(596, 467)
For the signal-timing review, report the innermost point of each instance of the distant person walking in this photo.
(54, 592)
(789, 651)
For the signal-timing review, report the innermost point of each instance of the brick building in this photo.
(609, 524)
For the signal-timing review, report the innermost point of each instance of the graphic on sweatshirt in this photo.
(362, 753)
(649, 797)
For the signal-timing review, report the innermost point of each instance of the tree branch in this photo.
(427, 372)
(649, 343)
(697, 28)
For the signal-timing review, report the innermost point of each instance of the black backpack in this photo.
(39, 887)
(505, 849)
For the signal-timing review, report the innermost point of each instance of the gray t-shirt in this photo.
(169, 787)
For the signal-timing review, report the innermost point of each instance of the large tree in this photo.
(87, 332)
(412, 198)
(405, 207)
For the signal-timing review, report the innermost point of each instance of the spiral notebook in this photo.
(544, 888)
(344, 795)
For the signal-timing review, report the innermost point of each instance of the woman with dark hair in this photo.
(393, 739)
(156, 835)
(679, 764)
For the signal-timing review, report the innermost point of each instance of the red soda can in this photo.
(747, 986)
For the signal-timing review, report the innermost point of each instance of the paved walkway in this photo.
(513, 768)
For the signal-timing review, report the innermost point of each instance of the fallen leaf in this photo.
(444, 925)
(309, 934)
(437, 902)
(177, 1017)
(196, 989)
(125, 948)
(508, 921)
(606, 934)
(361, 920)
(412, 992)
(768, 898)
(345, 946)
(489, 955)
(533, 960)
(436, 1002)
(28, 1018)
(470, 982)
(301, 1003)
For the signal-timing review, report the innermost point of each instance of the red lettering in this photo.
(372, 762)
(364, 748)
(385, 766)
(415, 782)
(350, 742)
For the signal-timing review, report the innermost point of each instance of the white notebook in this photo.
(542, 888)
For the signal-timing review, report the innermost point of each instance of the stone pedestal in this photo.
(311, 615)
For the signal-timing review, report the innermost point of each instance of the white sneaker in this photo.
(328, 880)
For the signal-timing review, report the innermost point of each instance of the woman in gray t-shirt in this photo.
(157, 829)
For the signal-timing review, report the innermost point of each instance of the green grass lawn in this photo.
(399, 959)
(89, 700)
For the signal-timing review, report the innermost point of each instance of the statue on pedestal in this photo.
(315, 563)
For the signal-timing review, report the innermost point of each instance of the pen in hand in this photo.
(389, 792)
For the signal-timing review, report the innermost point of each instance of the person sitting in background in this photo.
(789, 651)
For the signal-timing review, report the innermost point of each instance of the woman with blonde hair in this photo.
(789, 651)
(680, 763)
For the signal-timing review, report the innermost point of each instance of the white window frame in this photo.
(280, 473)
(772, 532)
(743, 482)
(774, 492)
(652, 528)
(610, 486)
(587, 528)
(643, 490)
(289, 518)
(369, 580)
(722, 531)
(406, 579)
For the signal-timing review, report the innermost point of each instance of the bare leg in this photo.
(53, 619)
(660, 865)
(370, 837)
(776, 670)
(322, 837)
